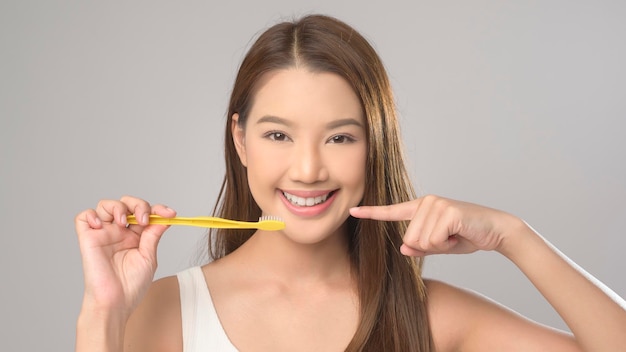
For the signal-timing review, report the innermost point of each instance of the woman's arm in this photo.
(99, 330)
(596, 316)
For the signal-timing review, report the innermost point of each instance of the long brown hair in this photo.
(392, 295)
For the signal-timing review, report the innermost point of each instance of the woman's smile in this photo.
(306, 198)
(307, 203)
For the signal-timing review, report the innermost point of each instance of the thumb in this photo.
(149, 241)
(151, 234)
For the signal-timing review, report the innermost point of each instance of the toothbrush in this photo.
(268, 223)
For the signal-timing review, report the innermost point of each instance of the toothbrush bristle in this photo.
(271, 223)
(270, 217)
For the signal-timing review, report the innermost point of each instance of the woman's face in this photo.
(304, 145)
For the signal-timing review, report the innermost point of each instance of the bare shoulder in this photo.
(465, 320)
(156, 323)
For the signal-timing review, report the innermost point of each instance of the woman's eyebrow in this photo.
(331, 125)
(274, 119)
(344, 122)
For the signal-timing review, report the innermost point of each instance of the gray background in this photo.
(515, 105)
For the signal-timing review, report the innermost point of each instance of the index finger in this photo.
(394, 212)
(87, 220)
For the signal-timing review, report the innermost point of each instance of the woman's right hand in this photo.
(119, 260)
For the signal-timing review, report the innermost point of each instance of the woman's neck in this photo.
(280, 258)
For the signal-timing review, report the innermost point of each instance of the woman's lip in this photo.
(308, 211)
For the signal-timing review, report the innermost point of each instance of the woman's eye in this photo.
(340, 138)
(277, 136)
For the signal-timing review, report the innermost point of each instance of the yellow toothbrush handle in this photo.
(212, 222)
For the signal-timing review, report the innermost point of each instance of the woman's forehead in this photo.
(298, 91)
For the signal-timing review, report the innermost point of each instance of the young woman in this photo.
(312, 137)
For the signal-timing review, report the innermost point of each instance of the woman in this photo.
(312, 137)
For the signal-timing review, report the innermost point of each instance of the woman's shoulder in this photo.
(441, 294)
(459, 317)
(464, 319)
(447, 312)
(155, 325)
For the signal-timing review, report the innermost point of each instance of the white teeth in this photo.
(301, 202)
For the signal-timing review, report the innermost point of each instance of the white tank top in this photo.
(202, 330)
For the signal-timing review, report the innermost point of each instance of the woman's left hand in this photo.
(440, 225)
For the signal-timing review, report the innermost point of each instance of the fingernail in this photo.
(145, 219)
(123, 219)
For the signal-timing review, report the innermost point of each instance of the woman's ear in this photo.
(239, 139)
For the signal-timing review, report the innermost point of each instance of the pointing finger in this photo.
(394, 212)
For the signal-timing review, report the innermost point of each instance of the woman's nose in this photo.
(308, 165)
